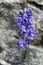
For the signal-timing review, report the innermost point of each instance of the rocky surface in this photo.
(2, 62)
(14, 1)
(36, 1)
(36, 55)
(9, 32)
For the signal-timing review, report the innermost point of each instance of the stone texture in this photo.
(2, 62)
(36, 1)
(15, 1)
(36, 55)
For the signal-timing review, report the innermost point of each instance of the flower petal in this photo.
(29, 12)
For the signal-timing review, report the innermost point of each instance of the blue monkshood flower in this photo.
(21, 41)
(28, 28)
(29, 23)
(31, 33)
(31, 37)
(21, 44)
(29, 12)
(32, 30)
(19, 25)
(19, 22)
(25, 16)
(21, 47)
(21, 12)
(25, 21)
(27, 41)
(30, 19)
(23, 28)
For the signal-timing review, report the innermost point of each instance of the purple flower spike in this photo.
(21, 12)
(24, 22)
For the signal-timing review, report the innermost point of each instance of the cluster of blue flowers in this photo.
(24, 23)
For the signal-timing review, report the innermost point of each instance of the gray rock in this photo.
(10, 1)
(2, 62)
(36, 55)
(36, 1)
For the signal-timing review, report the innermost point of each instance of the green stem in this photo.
(27, 55)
